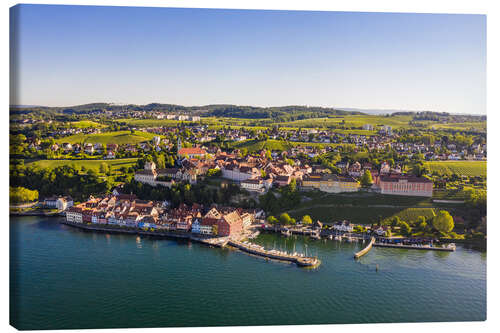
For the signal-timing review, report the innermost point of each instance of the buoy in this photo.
(376, 268)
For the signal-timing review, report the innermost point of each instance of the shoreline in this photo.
(210, 241)
(35, 213)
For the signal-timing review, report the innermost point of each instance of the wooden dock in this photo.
(451, 248)
(365, 250)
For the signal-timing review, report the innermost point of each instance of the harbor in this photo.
(375, 241)
(236, 242)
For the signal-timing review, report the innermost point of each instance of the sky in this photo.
(71, 55)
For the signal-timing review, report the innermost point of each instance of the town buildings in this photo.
(58, 202)
(128, 211)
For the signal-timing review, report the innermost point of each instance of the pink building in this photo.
(405, 185)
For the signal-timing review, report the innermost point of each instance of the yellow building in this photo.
(330, 183)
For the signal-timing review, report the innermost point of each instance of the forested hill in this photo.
(283, 113)
(280, 113)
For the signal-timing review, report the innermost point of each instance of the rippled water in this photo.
(68, 278)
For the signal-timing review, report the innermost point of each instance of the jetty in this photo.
(365, 250)
(258, 250)
(449, 248)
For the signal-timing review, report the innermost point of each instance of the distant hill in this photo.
(378, 111)
(279, 113)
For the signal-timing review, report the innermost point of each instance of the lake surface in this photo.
(62, 277)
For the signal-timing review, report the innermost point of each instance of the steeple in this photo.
(179, 144)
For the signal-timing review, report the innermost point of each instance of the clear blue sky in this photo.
(69, 55)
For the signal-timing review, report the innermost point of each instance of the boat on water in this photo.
(451, 246)
(286, 232)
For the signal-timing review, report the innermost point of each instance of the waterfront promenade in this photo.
(212, 241)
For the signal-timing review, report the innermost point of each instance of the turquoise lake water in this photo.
(64, 278)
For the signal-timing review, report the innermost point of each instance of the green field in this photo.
(280, 145)
(462, 168)
(255, 145)
(118, 137)
(89, 164)
(86, 124)
(351, 121)
(471, 126)
(149, 122)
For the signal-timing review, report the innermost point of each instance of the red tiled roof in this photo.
(410, 179)
(190, 151)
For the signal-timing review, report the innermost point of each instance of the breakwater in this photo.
(365, 250)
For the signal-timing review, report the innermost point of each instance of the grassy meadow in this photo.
(118, 137)
(86, 124)
(279, 145)
(89, 164)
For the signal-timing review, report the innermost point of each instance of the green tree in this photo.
(285, 219)
(272, 220)
(395, 221)
(170, 161)
(405, 228)
(268, 154)
(102, 168)
(293, 185)
(21, 194)
(421, 223)
(214, 172)
(160, 161)
(306, 219)
(443, 221)
(366, 179)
